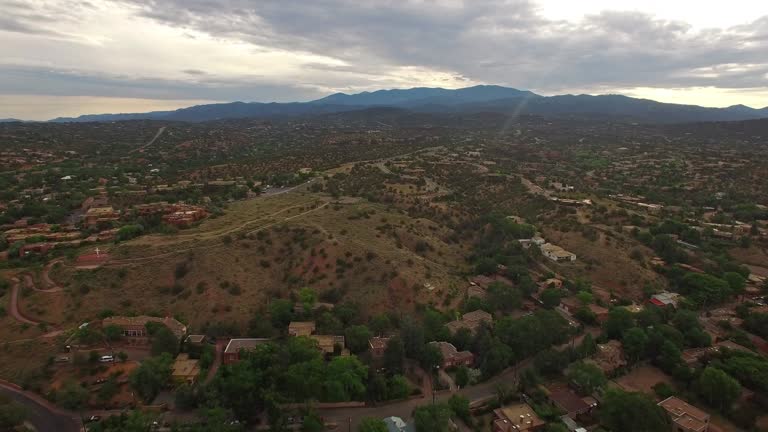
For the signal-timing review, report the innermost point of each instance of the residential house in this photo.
(377, 346)
(665, 299)
(471, 321)
(301, 328)
(556, 253)
(185, 370)
(453, 357)
(236, 346)
(196, 340)
(685, 417)
(96, 215)
(517, 418)
(569, 402)
(328, 343)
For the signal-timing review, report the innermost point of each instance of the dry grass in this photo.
(302, 246)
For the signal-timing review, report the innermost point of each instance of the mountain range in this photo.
(483, 98)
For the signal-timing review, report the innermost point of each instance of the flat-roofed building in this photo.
(235, 346)
(301, 328)
(685, 417)
(516, 418)
(185, 369)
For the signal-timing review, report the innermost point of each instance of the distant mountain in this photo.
(9, 120)
(422, 96)
(485, 98)
(199, 113)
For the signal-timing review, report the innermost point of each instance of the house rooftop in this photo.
(684, 414)
(568, 401)
(518, 417)
(174, 325)
(235, 345)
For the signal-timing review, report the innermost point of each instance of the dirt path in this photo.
(15, 312)
(152, 141)
(52, 286)
(29, 281)
(220, 345)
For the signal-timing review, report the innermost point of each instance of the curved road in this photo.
(43, 416)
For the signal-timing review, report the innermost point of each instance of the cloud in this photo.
(285, 50)
(486, 40)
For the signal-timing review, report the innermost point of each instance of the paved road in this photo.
(43, 417)
(345, 417)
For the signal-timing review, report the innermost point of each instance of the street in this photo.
(43, 416)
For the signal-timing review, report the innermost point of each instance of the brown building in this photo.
(136, 327)
(471, 321)
(568, 401)
(96, 215)
(453, 357)
(377, 346)
(328, 343)
(517, 418)
(685, 417)
(301, 328)
(185, 370)
(235, 346)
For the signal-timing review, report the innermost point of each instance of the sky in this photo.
(72, 57)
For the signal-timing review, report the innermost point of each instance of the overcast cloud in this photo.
(285, 50)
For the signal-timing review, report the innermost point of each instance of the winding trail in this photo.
(15, 312)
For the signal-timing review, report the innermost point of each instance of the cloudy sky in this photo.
(70, 57)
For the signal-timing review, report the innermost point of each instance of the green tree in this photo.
(398, 387)
(12, 414)
(586, 376)
(72, 396)
(432, 418)
(357, 338)
(462, 376)
(585, 297)
(460, 407)
(379, 324)
(504, 297)
(312, 423)
(718, 388)
(394, 355)
(735, 281)
(635, 343)
(164, 341)
(113, 332)
(153, 374)
(431, 357)
(619, 320)
(632, 412)
(281, 313)
(108, 390)
(308, 298)
(550, 297)
(370, 424)
(588, 346)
